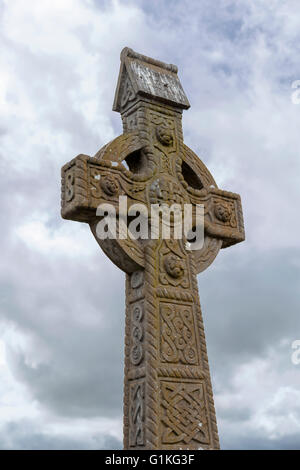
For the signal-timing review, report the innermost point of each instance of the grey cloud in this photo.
(260, 442)
(70, 309)
(83, 374)
(25, 435)
(245, 293)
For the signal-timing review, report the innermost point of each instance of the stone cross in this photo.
(168, 398)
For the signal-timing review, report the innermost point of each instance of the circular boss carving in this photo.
(222, 212)
(109, 185)
(174, 266)
(164, 135)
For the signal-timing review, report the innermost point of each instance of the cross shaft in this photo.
(168, 398)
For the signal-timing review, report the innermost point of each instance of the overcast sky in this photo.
(61, 299)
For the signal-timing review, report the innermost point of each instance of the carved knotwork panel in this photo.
(137, 414)
(178, 343)
(184, 418)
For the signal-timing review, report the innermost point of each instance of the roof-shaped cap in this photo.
(144, 76)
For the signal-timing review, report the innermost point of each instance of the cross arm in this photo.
(88, 182)
(81, 192)
(223, 216)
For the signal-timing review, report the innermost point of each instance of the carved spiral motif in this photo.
(70, 186)
(109, 185)
(174, 266)
(137, 334)
(164, 135)
(223, 212)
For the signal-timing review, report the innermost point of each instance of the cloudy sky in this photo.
(61, 299)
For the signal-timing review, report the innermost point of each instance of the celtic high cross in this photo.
(168, 398)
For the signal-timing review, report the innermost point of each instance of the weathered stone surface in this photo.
(143, 76)
(168, 398)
